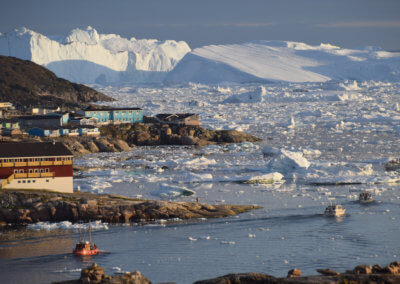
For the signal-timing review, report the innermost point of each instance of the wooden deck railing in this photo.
(34, 175)
(36, 164)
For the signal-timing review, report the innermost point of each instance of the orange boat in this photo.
(85, 247)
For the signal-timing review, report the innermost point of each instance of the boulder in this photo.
(328, 272)
(92, 273)
(294, 273)
(393, 268)
(121, 145)
(188, 140)
(92, 147)
(363, 269)
(105, 146)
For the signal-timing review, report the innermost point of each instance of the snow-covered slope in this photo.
(285, 61)
(88, 57)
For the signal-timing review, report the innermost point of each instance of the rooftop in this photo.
(110, 108)
(35, 149)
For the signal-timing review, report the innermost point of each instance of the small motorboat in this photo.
(335, 210)
(392, 165)
(365, 197)
(85, 247)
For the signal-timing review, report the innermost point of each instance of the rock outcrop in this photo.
(95, 274)
(360, 274)
(25, 207)
(25, 83)
(152, 134)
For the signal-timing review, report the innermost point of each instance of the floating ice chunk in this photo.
(117, 269)
(228, 242)
(202, 161)
(66, 225)
(287, 161)
(242, 147)
(270, 151)
(265, 179)
(172, 191)
(311, 152)
(292, 123)
(353, 86)
(252, 235)
(194, 177)
(192, 239)
(249, 97)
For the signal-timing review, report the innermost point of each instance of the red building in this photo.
(45, 166)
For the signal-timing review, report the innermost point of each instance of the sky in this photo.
(346, 23)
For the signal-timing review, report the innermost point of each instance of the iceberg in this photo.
(85, 56)
(276, 61)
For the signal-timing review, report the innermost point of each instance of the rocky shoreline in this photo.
(21, 207)
(119, 138)
(360, 274)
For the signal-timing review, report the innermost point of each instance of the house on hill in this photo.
(9, 127)
(79, 120)
(114, 115)
(30, 121)
(46, 166)
(179, 118)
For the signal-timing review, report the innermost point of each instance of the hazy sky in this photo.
(347, 23)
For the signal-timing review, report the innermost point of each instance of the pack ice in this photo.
(85, 56)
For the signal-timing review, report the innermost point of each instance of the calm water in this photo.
(354, 138)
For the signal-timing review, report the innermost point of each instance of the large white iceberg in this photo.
(269, 61)
(85, 56)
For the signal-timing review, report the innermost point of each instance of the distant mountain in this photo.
(274, 61)
(25, 83)
(85, 56)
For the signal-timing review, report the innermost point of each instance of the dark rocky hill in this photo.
(25, 83)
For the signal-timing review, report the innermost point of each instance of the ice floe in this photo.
(67, 225)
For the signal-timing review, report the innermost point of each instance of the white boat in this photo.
(365, 197)
(335, 210)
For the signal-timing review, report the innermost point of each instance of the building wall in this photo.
(59, 184)
(116, 116)
(38, 132)
(60, 171)
(56, 122)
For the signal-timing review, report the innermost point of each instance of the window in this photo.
(30, 171)
(47, 180)
(19, 181)
(30, 160)
(34, 181)
(47, 170)
(29, 181)
(42, 170)
(36, 170)
(15, 171)
(21, 171)
(24, 181)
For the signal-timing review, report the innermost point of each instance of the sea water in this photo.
(331, 145)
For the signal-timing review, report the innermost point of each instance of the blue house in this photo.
(114, 115)
(37, 131)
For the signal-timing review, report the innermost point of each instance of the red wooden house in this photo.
(39, 165)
